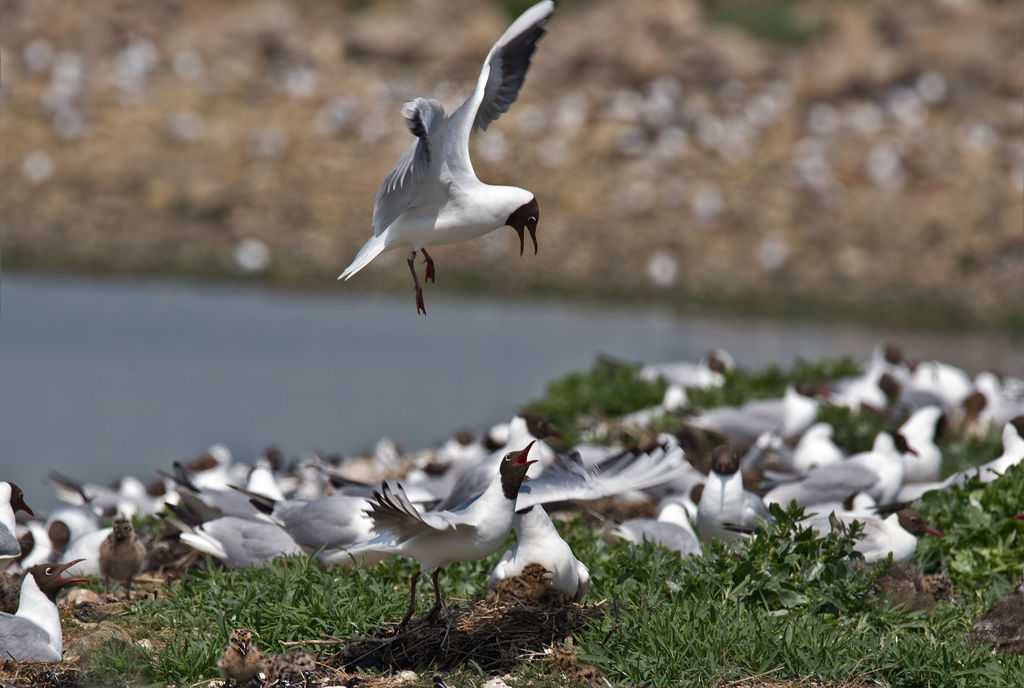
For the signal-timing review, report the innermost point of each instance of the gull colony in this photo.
(460, 501)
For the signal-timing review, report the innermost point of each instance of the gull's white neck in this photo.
(6, 512)
(37, 608)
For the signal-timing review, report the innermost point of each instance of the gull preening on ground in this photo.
(432, 195)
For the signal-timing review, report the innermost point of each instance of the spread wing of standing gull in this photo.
(432, 195)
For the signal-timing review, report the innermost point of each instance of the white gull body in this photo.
(33, 634)
(432, 195)
(878, 472)
(725, 505)
(538, 541)
(10, 499)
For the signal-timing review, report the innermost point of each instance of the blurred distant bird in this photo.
(432, 195)
(724, 504)
(11, 499)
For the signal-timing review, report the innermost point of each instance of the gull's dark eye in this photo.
(531, 220)
(49, 571)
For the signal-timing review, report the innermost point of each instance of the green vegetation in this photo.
(783, 603)
(578, 399)
(786, 22)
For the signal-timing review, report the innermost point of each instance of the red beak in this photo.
(64, 567)
(521, 459)
(932, 531)
(1019, 517)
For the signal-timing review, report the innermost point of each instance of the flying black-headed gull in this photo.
(725, 505)
(438, 538)
(537, 541)
(34, 633)
(11, 499)
(432, 195)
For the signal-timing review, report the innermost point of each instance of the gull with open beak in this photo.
(432, 195)
(437, 538)
(48, 577)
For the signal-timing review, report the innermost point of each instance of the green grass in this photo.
(783, 603)
(776, 21)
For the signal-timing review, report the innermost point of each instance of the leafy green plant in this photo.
(577, 399)
(742, 385)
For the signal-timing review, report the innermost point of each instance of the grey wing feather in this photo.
(9, 545)
(24, 641)
(568, 479)
(665, 534)
(826, 484)
(329, 521)
(427, 122)
(393, 514)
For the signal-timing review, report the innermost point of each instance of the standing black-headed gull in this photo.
(11, 499)
(432, 195)
(437, 538)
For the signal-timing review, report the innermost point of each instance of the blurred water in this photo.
(103, 378)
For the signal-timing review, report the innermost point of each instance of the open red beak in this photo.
(521, 459)
(932, 531)
(64, 567)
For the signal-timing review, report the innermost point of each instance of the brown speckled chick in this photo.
(122, 556)
(241, 660)
(530, 585)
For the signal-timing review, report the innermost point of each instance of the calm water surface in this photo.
(103, 378)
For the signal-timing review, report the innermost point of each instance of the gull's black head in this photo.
(539, 427)
(48, 577)
(525, 219)
(513, 471)
(18, 500)
(724, 460)
(914, 523)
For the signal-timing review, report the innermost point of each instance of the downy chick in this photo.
(241, 660)
(122, 556)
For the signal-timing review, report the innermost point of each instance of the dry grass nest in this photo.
(493, 634)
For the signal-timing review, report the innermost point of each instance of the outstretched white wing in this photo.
(498, 85)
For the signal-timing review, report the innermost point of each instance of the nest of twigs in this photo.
(495, 634)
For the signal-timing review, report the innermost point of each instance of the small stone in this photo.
(81, 596)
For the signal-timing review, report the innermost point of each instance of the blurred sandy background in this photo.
(855, 158)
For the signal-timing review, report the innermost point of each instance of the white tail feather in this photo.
(370, 250)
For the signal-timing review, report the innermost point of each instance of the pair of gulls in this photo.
(432, 195)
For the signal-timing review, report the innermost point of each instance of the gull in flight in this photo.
(432, 195)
